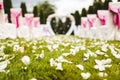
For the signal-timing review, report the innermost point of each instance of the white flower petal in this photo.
(26, 60)
(59, 66)
(85, 75)
(81, 67)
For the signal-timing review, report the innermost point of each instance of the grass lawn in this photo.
(59, 58)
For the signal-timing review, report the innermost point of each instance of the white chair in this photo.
(7, 30)
(1, 13)
(115, 9)
(94, 24)
(23, 32)
(83, 29)
(107, 27)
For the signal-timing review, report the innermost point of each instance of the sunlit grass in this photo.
(40, 68)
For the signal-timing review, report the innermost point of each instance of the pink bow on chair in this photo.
(29, 20)
(91, 21)
(116, 16)
(36, 22)
(1, 5)
(15, 17)
(84, 23)
(102, 18)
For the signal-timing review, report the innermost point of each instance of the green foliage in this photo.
(60, 27)
(35, 11)
(106, 4)
(98, 5)
(91, 10)
(45, 10)
(7, 6)
(24, 8)
(77, 18)
(84, 12)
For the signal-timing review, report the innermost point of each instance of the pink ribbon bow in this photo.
(1, 5)
(91, 21)
(102, 18)
(116, 16)
(84, 23)
(29, 20)
(15, 15)
(36, 22)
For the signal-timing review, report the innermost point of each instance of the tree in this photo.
(98, 5)
(91, 10)
(46, 9)
(7, 6)
(84, 12)
(77, 18)
(23, 7)
(106, 4)
(42, 20)
(35, 11)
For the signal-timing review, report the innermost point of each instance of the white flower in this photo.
(3, 65)
(104, 47)
(91, 53)
(55, 46)
(59, 66)
(81, 67)
(85, 75)
(52, 62)
(100, 67)
(21, 49)
(1, 49)
(82, 48)
(86, 55)
(33, 79)
(42, 54)
(65, 44)
(61, 59)
(33, 51)
(50, 48)
(73, 51)
(102, 74)
(85, 59)
(16, 47)
(66, 54)
(99, 52)
(102, 64)
(34, 47)
(26, 60)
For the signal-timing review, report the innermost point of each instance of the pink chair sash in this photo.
(15, 15)
(91, 21)
(29, 20)
(116, 16)
(102, 18)
(1, 5)
(36, 22)
(84, 23)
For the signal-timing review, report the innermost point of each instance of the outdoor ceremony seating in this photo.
(115, 10)
(107, 27)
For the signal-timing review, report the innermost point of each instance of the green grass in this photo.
(40, 68)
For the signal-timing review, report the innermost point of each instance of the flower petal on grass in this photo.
(85, 75)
